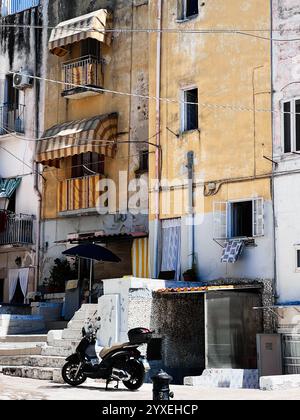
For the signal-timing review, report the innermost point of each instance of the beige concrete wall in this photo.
(229, 70)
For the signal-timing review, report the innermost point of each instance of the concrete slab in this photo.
(271, 383)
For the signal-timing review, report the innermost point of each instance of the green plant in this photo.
(59, 274)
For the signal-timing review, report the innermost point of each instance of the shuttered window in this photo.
(238, 219)
(291, 126)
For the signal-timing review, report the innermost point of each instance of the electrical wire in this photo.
(242, 32)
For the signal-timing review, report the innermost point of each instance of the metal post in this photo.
(91, 276)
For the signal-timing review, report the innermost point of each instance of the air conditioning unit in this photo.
(22, 80)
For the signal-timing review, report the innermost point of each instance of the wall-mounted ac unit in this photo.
(22, 80)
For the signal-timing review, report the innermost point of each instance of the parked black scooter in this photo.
(121, 362)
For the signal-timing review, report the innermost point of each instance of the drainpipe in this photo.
(157, 152)
(38, 225)
(273, 168)
(190, 166)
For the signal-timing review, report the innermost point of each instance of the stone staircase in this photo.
(48, 363)
(21, 324)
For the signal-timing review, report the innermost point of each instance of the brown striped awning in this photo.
(93, 25)
(97, 134)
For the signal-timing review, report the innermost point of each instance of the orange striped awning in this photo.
(93, 25)
(97, 134)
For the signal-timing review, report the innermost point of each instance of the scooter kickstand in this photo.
(117, 386)
(107, 383)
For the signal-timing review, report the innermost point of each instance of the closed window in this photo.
(239, 219)
(291, 126)
(189, 111)
(187, 9)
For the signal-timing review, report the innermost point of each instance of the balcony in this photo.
(86, 72)
(12, 119)
(10, 7)
(78, 195)
(17, 230)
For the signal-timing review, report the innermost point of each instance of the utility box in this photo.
(269, 354)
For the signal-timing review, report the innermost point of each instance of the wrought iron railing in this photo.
(17, 229)
(84, 71)
(78, 193)
(12, 118)
(10, 7)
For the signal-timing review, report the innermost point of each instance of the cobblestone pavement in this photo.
(31, 389)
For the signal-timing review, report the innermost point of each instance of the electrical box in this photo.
(269, 354)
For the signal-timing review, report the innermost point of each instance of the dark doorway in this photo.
(232, 325)
(18, 298)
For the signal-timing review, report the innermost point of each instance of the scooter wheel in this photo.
(137, 371)
(69, 372)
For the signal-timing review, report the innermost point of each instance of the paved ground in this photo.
(31, 389)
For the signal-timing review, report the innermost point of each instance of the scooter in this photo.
(120, 363)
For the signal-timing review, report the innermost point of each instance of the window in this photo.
(87, 164)
(291, 126)
(144, 160)
(90, 47)
(190, 117)
(187, 9)
(298, 259)
(9, 7)
(239, 219)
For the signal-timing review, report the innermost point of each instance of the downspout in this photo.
(158, 151)
(273, 167)
(38, 225)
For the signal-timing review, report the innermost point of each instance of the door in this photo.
(1, 290)
(269, 354)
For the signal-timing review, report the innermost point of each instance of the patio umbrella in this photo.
(92, 252)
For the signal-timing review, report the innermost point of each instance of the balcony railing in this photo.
(78, 193)
(12, 118)
(10, 7)
(18, 230)
(85, 71)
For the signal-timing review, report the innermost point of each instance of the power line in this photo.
(228, 31)
(224, 107)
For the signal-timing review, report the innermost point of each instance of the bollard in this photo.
(161, 386)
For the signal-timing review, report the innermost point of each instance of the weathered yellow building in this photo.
(92, 134)
(210, 64)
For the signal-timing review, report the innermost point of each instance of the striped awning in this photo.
(93, 25)
(140, 258)
(8, 187)
(97, 134)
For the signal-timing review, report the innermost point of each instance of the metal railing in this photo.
(10, 7)
(84, 71)
(12, 118)
(78, 193)
(18, 230)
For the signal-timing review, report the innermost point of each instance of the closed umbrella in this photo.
(92, 252)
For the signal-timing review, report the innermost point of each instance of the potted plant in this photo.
(190, 275)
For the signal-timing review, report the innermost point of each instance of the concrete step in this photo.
(28, 338)
(71, 334)
(76, 324)
(64, 343)
(28, 372)
(20, 349)
(33, 361)
(57, 351)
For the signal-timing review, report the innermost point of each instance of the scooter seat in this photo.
(104, 352)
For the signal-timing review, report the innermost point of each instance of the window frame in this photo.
(182, 11)
(293, 126)
(222, 221)
(183, 110)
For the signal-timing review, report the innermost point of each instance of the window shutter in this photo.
(258, 217)
(220, 220)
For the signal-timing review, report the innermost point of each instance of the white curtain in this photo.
(13, 277)
(171, 246)
(24, 278)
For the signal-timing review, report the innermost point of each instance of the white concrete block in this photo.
(271, 383)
